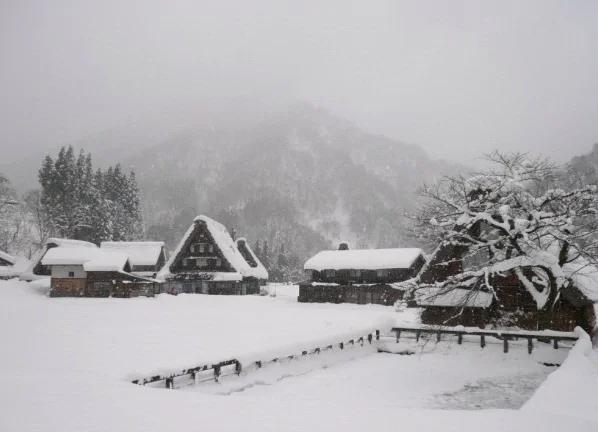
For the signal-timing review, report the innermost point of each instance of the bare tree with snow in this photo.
(513, 217)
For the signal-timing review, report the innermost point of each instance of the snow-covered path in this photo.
(65, 364)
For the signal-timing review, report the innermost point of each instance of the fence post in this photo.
(377, 334)
(216, 372)
(341, 345)
(398, 333)
(482, 341)
(370, 338)
(530, 345)
(438, 336)
(169, 383)
(238, 367)
(555, 343)
(417, 335)
(460, 338)
(505, 343)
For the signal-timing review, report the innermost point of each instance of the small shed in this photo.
(359, 276)
(455, 306)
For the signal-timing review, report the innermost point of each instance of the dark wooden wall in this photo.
(357, 294)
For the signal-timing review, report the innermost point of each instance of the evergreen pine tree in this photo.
(81, 204)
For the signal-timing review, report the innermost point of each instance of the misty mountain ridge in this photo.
(585, 167)
(301, 180)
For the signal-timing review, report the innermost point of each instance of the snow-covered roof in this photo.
(92, 259)
(140, 253)
(8, 258)
(110, 261)
(69, 255)
(61, 242)
(456, 297)
(259, 271)
(51, 243)
(363, 259)
(224, 242)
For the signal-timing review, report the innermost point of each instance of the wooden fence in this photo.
(212, 372)
(504, 336)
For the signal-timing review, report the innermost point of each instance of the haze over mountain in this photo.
(586, 166)
(299, 178)
(302, 179)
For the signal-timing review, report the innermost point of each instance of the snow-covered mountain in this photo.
(302, 180)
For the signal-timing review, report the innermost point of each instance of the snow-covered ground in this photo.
(65, 366)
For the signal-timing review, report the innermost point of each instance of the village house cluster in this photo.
(208, 260)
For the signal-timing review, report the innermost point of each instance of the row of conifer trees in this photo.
(86, 204)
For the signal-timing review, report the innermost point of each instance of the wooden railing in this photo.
(234, 366)
(504, 336)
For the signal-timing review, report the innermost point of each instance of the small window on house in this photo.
(330, 273)
(210, 248)
(356, 273)
(71, 274)
(201, 248)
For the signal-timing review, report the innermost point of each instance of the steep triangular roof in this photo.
(256, 268)
(223, 241)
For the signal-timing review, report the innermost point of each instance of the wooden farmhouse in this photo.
(208, 261)
(146, 257)
(37, 270)
(7, 263)
(511, 304)
(359, 276)
(92, 272)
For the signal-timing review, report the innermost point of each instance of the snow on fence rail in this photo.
(212, 372)
(505, 336)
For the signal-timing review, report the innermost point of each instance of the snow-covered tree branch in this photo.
(513, 217)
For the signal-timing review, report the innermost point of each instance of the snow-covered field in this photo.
(65, 366)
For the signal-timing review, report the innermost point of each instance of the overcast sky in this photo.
(456, 77)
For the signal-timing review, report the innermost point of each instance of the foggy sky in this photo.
(458, 78)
